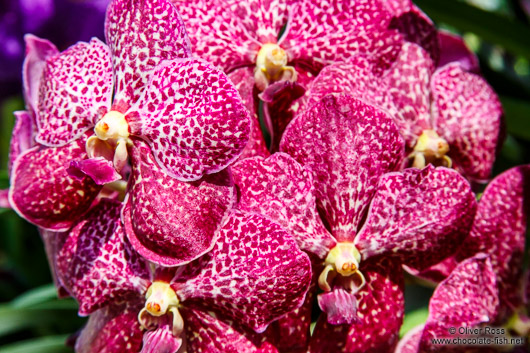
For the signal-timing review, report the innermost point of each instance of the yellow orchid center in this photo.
(430, 148)
(342, 260)
(112, 126)
(271, 66)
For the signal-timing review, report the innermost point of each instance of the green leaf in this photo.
(35, 296)
(413, 319)
(491, 27)
(517, 113)
(47, 344)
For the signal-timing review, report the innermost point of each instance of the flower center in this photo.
(271, 66)
(112, 126)
(161, 299)
(430, 148)
(343, 260)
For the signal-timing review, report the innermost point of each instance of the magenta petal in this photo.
(192, 117)
(161, 339)
(53, 243)
(97, 265)
(281, 189)
(347, 145)
(37, 50)
(22, 138)
(141, 34)
(4, 199)
(421, 216)
(207, 333)
(467, 113)
(410, 343)
(43, 193)
(255, 273)
(339, 305)
(112, 329)
(76, 88)
(454, 49)
(99, 169)
(174, 222)
(467, 298)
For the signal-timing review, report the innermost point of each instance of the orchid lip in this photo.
(430, 148)
(271, 66)
(343, 260)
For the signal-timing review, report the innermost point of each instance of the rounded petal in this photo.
(454, 49)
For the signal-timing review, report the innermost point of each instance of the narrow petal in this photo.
(192, 117)
(420, 216)
(454, 49)
(467, 113)
(141, 34)
(37, 51)
(43, 193)
(207, 333)
(97, 265)
(98, 169)
(281, 189)
(112, 329)
(254, 274)
(339, 305)
(380, 315)
(76, 88)
(467, 298)
(22, 138)
(4, 199)
(161, 339)
(347, 145)
(174, 222)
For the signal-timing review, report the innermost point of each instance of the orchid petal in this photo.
(339, 305)
(22, 138)
(53, 243)
(347, 145)
(99, 169)
(410, 343)
(141, 34)
(174, 222)
(454, 49)
(281, 189)
(254, 274)
(98, 267)
(192, 117)
(161, 339)
(76, 88)
(420, 216)
(43, 193)
(468, 112)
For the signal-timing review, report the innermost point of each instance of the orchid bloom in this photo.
(187, 111)
(448, 116)
(375, 219)
(253, 275)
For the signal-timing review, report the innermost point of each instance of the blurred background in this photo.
(32, 319)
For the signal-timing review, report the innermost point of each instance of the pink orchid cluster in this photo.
(165, 215)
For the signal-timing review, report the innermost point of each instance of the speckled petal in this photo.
(76, 89)
(421, 216)
(97, 265)
(37, 50)
(112, 329)
(141, 34)
(243, 80)
(22, 138)
(192, 117)
(411, 341)
(206, 333)
(467, 298)
(99, 169)
(219, 35)
(454, 49)
(43, 193)
(53, 243)
(499, 230)
(380, 313)
(281, 189)
(174, 222)
(323, 32)
(254, 274)
(347, 145)
(467, 113)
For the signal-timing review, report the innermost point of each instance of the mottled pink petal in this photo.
(192, 117)
(411, 341)
(347, 145)
(380, 314)
(97, 265)
(99, 169)
(219, 35)
(22, 138)
(421, 216)
(467, 298)
(141, 34)
(322, 32)
(468, 114)
(53, 243)
(43, 193)
(76, 89)
(174, 222)
(339, 305)
(254, 274)
(438, 272)
(281, 189)
(207, 333)
(112, 329)
(37, 50)
(454, 49)
(161, 339)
